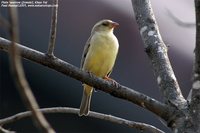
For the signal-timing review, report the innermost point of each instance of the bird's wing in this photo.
(85, 51)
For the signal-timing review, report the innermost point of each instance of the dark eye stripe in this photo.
(105, 24)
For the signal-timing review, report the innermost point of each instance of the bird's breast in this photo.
(102, 54)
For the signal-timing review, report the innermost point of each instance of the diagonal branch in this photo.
(119, 91)
(52, 38)
(110, 118)
(157, 52)
(19, 75)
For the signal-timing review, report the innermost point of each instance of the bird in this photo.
(98, 57)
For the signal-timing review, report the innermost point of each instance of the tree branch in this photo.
(196, 73)
(119, 91)
(2, 130)
(157, 52)
(52, 38)
(110, 118)
(19, 75)
(195, 91)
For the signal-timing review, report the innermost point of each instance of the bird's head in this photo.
(105, 26)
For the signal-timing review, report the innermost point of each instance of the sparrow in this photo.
(98, 57)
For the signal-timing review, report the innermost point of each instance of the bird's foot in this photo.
(107, 78)
(111, 80)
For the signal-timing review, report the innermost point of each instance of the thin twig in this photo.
(178, 21)
(157, 52)
(68, 110)
(3, 130)
(122, 92)
(52, 38)
(19, 76)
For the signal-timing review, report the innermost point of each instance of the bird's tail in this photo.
(86, 98)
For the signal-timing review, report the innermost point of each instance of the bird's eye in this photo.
(105, 24)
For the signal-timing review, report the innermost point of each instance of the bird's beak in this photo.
(114, 24)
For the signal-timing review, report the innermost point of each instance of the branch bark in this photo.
(196, 73)
(119, 91)
(52, 38)
(157, 53)
(187, 116)
(19, 75)
(195, 91)
(110, 118)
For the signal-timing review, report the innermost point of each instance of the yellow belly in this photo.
(101, 58)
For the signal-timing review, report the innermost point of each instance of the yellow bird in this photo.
(98, 57)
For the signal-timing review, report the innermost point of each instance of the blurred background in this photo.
(133, 68)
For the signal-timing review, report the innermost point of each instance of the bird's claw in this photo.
(111, 80)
